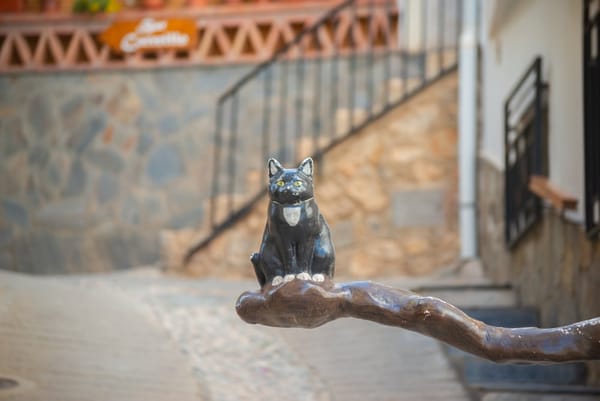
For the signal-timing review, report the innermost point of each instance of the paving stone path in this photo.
(142, 335)
(230, 359)
(61, 343)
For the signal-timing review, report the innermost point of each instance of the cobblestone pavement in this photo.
(343, 360)
(231, 360)
(59, 343)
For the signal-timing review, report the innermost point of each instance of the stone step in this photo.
(544, 393)
(482, 375)
(506, 316)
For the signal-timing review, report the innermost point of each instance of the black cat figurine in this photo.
(296, 242)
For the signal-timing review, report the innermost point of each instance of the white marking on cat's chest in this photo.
(291, 214)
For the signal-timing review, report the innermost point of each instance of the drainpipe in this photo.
(467, 138)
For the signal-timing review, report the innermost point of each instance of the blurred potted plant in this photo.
(96, 6)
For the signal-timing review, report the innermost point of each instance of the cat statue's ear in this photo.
(307, 167)
(274, 167)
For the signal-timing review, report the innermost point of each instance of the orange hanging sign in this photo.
(151, 34)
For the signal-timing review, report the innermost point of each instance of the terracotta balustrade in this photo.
(236, 33)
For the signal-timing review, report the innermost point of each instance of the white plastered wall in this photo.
(513, 34)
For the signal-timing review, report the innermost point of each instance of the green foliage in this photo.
(90, 6)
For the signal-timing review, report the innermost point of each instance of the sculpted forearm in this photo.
(307, 304)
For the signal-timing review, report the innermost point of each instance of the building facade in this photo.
(538, 153)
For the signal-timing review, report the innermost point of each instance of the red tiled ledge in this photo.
(227, 34)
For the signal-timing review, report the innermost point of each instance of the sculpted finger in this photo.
(250, 305)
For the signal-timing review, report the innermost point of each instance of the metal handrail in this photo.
(282, 50)
(524, 152)
(591, 95)
(371, 40)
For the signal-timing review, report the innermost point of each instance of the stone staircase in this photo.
(498, 305)
(296, 105)
(388, 194)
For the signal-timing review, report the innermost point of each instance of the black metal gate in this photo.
(525, 151)
(591, 93)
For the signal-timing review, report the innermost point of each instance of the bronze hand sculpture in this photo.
(308, 304)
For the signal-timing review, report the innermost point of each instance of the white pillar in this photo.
(467, 127)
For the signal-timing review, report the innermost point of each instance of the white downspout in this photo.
(467, 138)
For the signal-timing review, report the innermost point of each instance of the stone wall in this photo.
(94, 164)
(555, 267)
(388, 193)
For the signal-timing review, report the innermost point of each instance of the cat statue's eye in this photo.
(297, 183)
(280, 183)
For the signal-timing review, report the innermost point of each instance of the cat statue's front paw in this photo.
(289, 277)
(277, 280)
(318, 278)
(303, 276)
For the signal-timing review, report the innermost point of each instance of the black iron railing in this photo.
(525, 151)
(350, 67)
(591, 89)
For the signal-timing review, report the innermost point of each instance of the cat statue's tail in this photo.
(255, 259)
